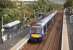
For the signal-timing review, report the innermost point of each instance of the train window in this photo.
(35, 29)
(45, 28)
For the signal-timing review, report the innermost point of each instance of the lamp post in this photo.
(2, 30)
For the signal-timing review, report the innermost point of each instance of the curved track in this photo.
(52, 40)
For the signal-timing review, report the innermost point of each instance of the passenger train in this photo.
(39, 29)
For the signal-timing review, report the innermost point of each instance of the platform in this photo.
(65, 42)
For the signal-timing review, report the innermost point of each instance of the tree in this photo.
(7, 11)
(68, 3)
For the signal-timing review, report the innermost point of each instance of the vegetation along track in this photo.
(53, 38)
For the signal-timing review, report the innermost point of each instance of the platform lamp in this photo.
(2, 30)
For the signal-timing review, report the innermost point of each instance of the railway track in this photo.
(52, 40)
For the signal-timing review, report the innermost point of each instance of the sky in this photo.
(58, 1)
(55, 1)
(27, 0)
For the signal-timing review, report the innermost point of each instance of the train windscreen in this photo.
(35, 30)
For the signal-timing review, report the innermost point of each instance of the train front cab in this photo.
(36, 34)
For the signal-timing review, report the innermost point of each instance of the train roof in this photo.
(46, 19)
(11, 24)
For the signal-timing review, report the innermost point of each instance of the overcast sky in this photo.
(27, 0)
(55, 1)
(58, 1)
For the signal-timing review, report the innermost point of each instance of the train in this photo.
(40, 28)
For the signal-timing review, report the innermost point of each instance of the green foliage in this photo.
(7, 4)
(41, 5)
(68, 3)
(12, 11)
(8, 15)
